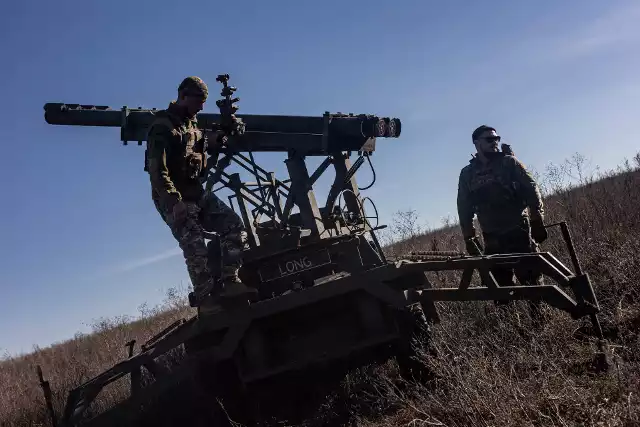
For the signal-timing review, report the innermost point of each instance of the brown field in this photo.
(490, 370)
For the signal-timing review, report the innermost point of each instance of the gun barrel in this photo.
(261, 130)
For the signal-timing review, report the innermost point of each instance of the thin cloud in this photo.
(135, 264)
(615, 29)
(619, 26)
(143, 262)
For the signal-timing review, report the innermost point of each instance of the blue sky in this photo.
(80, 238)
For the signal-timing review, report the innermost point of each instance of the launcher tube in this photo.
(140, 119)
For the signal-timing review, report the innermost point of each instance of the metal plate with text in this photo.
(294, 265)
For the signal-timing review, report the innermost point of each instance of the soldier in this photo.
(498, 189)
(176, 161)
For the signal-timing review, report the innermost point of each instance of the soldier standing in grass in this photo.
(176, 161)
(497, 188)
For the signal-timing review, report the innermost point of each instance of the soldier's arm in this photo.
(530, 190)
(157, 142)
(465, 207)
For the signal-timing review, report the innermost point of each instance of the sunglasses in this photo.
(491, 138)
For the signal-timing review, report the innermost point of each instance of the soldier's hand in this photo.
(179, 211)
(538, 231)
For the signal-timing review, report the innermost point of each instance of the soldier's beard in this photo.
(185, 111)
(492, 154)
(491, 149)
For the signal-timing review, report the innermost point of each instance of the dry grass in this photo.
(490, 369)
(68, 364)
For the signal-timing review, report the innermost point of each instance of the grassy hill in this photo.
(491, 370)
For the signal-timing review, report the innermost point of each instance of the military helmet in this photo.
(194, 86)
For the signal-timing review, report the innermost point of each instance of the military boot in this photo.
(209, 306)
(207, 296)
(233, 286)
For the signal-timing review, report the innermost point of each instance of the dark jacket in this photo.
(498, 193)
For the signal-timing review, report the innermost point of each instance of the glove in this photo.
(473, 246)
(506, 149)
(538, 231)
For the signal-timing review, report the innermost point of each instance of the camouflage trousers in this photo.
(213, 215)
(518, 240)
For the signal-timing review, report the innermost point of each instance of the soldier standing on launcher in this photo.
(176, 160)
(498, 188)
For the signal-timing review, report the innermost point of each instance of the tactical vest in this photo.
(492, 186)
(185, 152)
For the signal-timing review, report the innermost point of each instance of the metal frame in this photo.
(267, 196)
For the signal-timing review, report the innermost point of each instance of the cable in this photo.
(373, 171)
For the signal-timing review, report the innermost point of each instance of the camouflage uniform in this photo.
(176, 161)
(499, 193)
